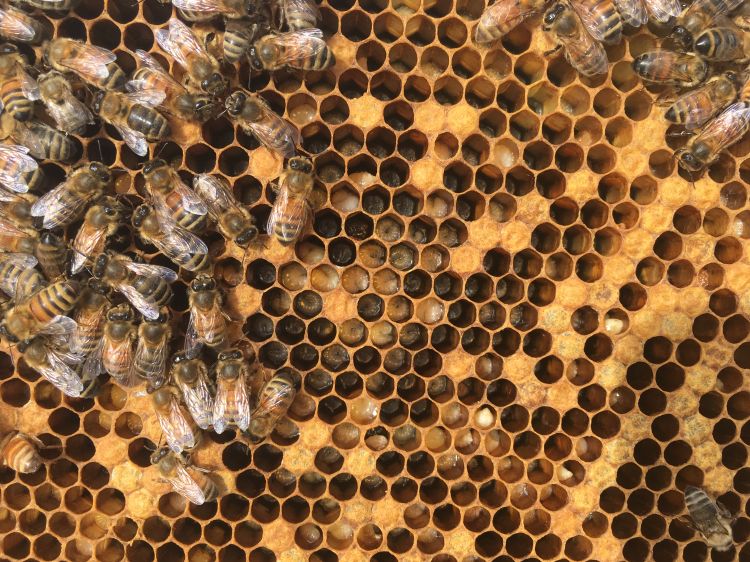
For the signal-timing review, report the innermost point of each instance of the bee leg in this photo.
(552, 51)
(724, 511)
(687, 521)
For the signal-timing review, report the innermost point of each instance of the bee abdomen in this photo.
(31, 280)
(196, 16)
(16, 104)
(153, 289)
(20, 454)
(34, 178)
(55, 300)
(192, 262)
(235, 46)
(116, 78)
(324, 59)
(720, 44)
(148, 121)
(699, 504)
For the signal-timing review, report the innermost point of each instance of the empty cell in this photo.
(334, 110)
(556, 128)
(466, 63)
(356, 26)
(316, 137)
(480, 92)
(353, 82)
(452, 32)
(370, 56)
(601, 159)
(416, 89)
(632, 296)
(733, 195)
(728, 250)
(720, 171)
(138, 36)
(619, 132)
(385, 86)
(517, 40)
(569, 157)
(510, 96)
(537, 155)
(650, 271)
(433, 62)
(448, 91)
(638, 105)
(575, 100)
(587, 130)
(625, 215)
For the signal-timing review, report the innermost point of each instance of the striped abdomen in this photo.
(186, 219)
(148, 122)
(210, 326)
(721, 44)
(56, 300)
(291, 220)
(236, 43)
(154, 289)
(12, 276)
(19, 453)
(116, 78)
(55, 145)
(34, 179)
(90, 330)
(52, 255)
(14, 101)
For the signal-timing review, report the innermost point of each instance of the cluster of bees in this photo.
(88, 310)
(708, 36)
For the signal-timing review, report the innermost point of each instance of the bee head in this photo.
(49, 239)
(101, 171)
(100, 265)
(247, 236)
(301, 164)
(140, 214)
(96, 103)
(122, 313)
(215, 84)
(688, 160)
(255, 62)
(203, 283)
(159, 454)
(552, 15)
(204, 107)
(235, 103)
(229, 355)
(152, 165)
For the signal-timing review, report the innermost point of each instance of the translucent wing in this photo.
(148, 269)
(24, 261)
(60, 374)
(633, 12)
(71, 114)
(17, 163)
(60, 326)
(725, 129)
(54, 209)
(215, 193)
(597, 21)
(275, 132)
(178, 40)
(30, 139)
(663, 10)
(231, 396)
(190, 200)
(86, 241)
(157, 360)
(291, 213)
(89, 61)
(29, 87)
(135, 140)
(506, 14)
(147, 96)
(198, 5)
(193, 344)
(92, 366)
(150, 62)
(308, 7)
(184, 485)
(176, 428)
(7, 228)
(270, 401)
(199, 401)
(14, 27)
(298, 46)
(148, 309)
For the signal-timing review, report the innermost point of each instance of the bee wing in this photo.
(71, 114)
(157, 358)
(178, 240)
(29, 87)
(54, 209)
(269, 402)
(184, 485)
(295, 212)
(17, 163)
(191, 200)
(267, 130)
(506, 14)
(147, 96)
(178, 40)
(152, 270)
(60, 326)
(198, 399)
(135, 140)
(60, 374)
(192, 344)
(86, 240)
(15, 28)
(303, 6)
(29, 138)
(7, 228)
(596, 21)
(177, 430)
(198, 5)
(92, 366)
(298, 46)
(150, 62)
(148, 309)
(633, 12)
(730, 124)
(662, 10)
(89, 61)
(215, 193)
(24, 261)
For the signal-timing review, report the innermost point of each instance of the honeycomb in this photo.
(520, 331)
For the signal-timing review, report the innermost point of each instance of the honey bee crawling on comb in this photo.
(207, 324)
(47, 356)
(17, 25)
(256, 118)
(172, 198)
(115, 355)
(292, 207)
(180, 431)
(17, 268)
(669, 68)
(583, 53)
(710, 518)
(190, 374)
(152, 349)
(94, 65)
(232, 405)
(234, 221)
(41, 140)
(304, 50)
(18, 170)
(70, 113)
(697, 17)
(274, 401)
(20, 452)
(18, 90)
(723, 44)
(100, 223)
(502, 16)
(193, 483)
(89, 316)
(694, 108)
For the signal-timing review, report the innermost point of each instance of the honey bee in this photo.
(299, 14)
(17, 240)
(19, 451)
(18, 268)
(207, 324)
(696, 107)
(18, 90)
(273, 402)
(232, 405)
(115, 355)
(52, 254)
(178, 426)
(503, 16)
(191, 376)
(191, 482)
(70, 113)
(16, 25)
(19, 172)
(202, 68)
(710, 518)
(632, 12)
(181, 246)
(101, 222)
(234, 221)
(16, 208)
(172, 198)
(42, 312)
(66, 202)
(233, 44)
(150, 360)
(291, 209)
(669, 68)
(53, 363)
(89, 317)
(178, 101)
(723, 44)
(50, 5)
(304, 50)
(232, 9)
(601, 19)
(256, 118)
(699, 16)
(134, 117)
(718, 134)
(94, 65)
(146, 286)
(582, 52)
(42, 141)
